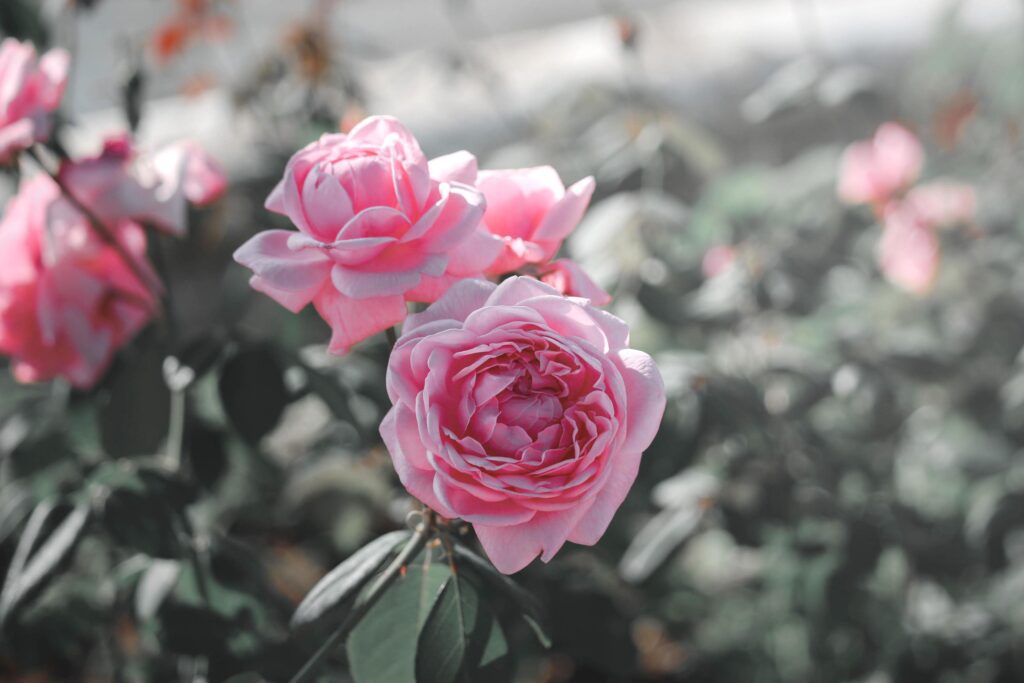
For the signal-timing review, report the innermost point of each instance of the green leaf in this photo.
(156, 584)
(382, 647)
(27, 574)
(347, 578)
(134, 410)
(253, 392)
(460, 635)
(530, 608)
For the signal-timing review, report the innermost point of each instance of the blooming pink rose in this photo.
(532, 212)
(30, 91)
(877, 170)
(378, 226)
(521, 411)
(154, 188)
(569, 279)
(909, 250)
(717, 260)
(67, 299)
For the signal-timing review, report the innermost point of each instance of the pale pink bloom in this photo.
(878, 170)
(717, 260)
(532, 212)
(521, 411)
(909, 250)
(68, 301)
(30, 90)
(377, 226)
(569, 279)
(943, 202)
(153, 188)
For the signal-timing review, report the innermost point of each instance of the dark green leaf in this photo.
(382, 647)
(460, 635)
(253, 392)
(26, 575)
(156, 583)
(135, 407)
(347, 578)
(531, 610)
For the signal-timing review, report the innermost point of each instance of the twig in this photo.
(145, 277)
(366, 601)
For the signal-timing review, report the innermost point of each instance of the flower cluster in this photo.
(882, 173)
(75, 281)
(380, 226)
(518, 407)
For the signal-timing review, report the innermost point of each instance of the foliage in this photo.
(836, 492)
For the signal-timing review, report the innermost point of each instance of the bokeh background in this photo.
(837, 490)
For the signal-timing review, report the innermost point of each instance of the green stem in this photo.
(392, 336)
(176, 429)
(366, 601)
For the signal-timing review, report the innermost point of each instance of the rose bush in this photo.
(521, 411)
(68, 301)
(31, 90)
(881, 172)
(378, 226)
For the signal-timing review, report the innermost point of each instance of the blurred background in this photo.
(837, 490)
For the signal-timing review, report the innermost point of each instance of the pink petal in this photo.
(360, 284)
(510, 548)
(406, 449)
(326, 204)
(353, 320)
(292, 277)
(451, 220)
(458, 302)
(565, 214)
(623, 466)
(645, 397)
(474, 254)
(517, 289)
(943, 202)
(909, 251)
(569, 279)
(458, 167)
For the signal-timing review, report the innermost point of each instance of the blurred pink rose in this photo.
(152, 188)
(943, 202)
(877, 170)
(717, 260)
(68, 301)
(521, 411)
(378, 227)
(569, 279)
(532, 212)
(909, 250)
(30, 91)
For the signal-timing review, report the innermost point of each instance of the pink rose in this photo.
(153, 188)
(532, 212)
(877, 170)
(30, 91)
(909, 250)
(378, 226)
(521, 411)
(68, 301)
(569, 279)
